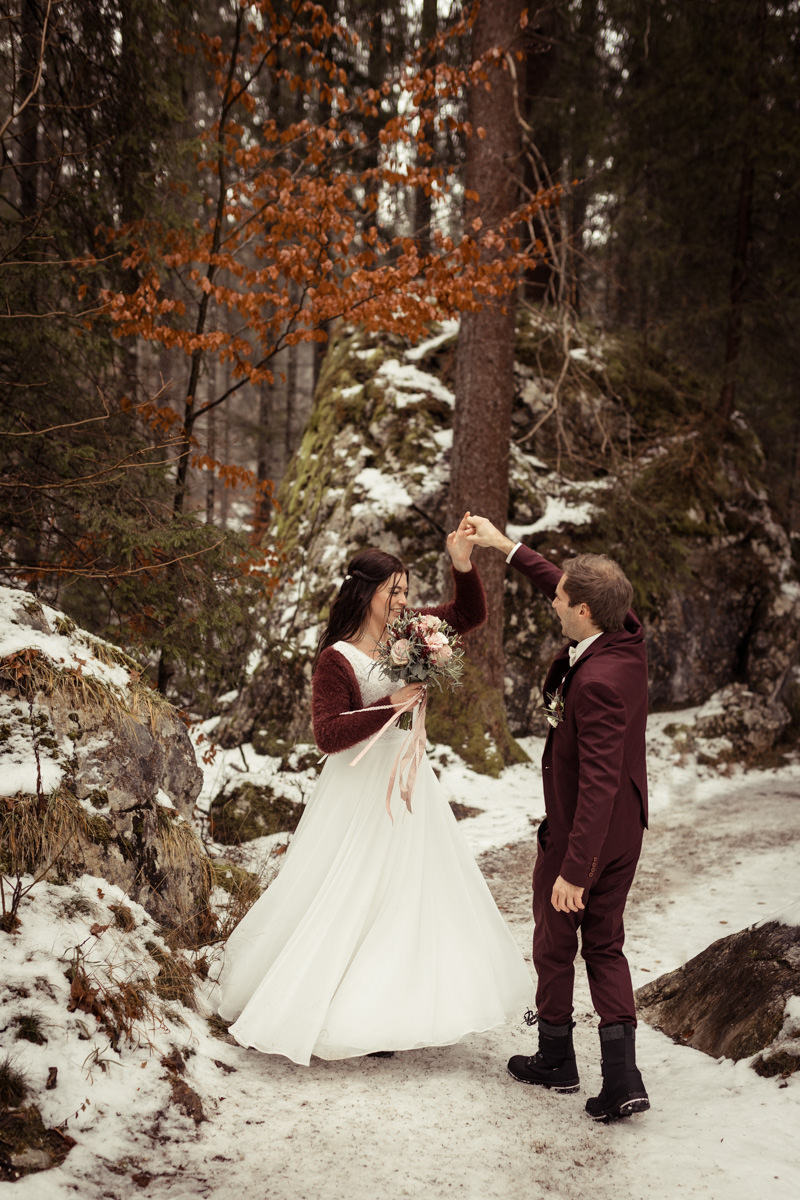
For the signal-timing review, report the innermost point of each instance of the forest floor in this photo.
(450, 1122)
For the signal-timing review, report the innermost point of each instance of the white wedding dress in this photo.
(377, 934)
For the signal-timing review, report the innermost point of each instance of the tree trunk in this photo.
(211, 451)
(485, 372)
(543, 38)
(744, 218)
(264, 467)
(29, 165)
(423, 207)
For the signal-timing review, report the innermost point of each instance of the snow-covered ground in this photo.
(449, 1122)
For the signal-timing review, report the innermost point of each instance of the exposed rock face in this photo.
(734, 725)
(615, 457)
(752, 723)
(101, 764)
(735, 998)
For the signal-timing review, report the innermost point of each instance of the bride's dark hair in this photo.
(365, 574)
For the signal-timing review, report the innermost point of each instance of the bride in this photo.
(379, 934)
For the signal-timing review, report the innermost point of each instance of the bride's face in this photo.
(389, 600)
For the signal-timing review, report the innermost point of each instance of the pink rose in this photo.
(400, 652)
(428, 623)
(434, 641)
(441, 654)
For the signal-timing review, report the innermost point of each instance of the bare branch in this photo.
(124, 464)
(112, 572)
(12, 116)
(54, 428)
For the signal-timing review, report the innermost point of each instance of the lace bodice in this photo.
(373, 682)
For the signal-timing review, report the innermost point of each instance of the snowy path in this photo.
(451, 1123)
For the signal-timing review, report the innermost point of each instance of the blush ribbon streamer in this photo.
(410, 754)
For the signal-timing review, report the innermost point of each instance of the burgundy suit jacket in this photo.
(593, 766)
(335, 694)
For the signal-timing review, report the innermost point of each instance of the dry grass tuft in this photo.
(175, 979)
(76, 905)
(29, 1027)
(30, 673)
(39, 832)
(38, 835)
(123, 917)
(219, 1028)
(243, 888)
(182, 847)
(13, 1085)
(116, 1004)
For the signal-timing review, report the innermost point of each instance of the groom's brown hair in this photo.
(599, 582)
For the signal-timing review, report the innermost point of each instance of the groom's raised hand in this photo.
(481, 532)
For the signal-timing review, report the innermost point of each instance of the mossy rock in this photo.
(250, 811)
(236, 880)
(28, 1146)
(470, 719)
(265, 741)
(299, 759)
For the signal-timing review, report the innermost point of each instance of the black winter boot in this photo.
(553, 1066)
(623, 1092)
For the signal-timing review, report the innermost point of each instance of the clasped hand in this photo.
(459, 545)
(407, 693)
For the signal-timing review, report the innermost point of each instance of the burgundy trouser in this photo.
(555, 936)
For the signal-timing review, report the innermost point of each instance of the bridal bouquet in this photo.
(421, 648)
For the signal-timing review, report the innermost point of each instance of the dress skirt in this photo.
(378, 933)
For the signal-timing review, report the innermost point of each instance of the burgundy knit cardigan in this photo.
(335, 692)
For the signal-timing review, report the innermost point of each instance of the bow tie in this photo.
(573, 654)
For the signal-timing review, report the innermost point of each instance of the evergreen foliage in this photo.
(127, 170)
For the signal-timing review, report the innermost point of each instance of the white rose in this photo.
(400, 652)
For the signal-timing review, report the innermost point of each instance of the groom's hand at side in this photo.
(566, 897)
(483, 533)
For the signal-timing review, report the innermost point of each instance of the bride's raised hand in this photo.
(458, 545)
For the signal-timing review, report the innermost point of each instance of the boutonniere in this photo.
(554, 708)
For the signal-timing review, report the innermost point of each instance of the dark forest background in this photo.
(194, 194)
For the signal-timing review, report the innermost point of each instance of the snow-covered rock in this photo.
(99, 773)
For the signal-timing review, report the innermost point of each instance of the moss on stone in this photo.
(471, 719)
(269, 743)
(126, 847)
(99, 830)
(250, 811)
(686, 493)
(235, 880)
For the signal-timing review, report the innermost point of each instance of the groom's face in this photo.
(570, 616)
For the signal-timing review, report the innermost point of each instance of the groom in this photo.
(595, 792)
